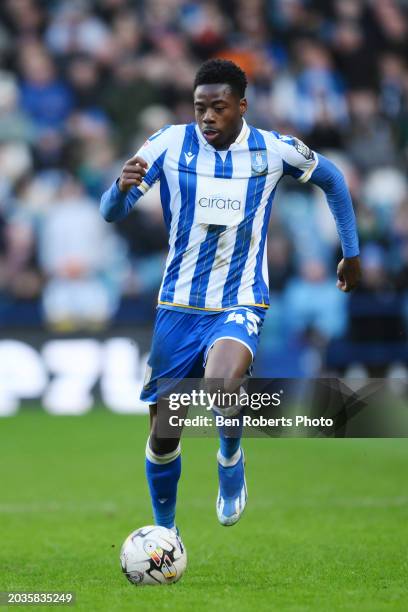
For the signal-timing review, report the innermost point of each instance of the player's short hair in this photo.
(216, 71)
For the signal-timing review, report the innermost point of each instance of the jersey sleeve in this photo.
(297, 159)
(329, 178)
(304, 164)
(153, 152)
(116, 204)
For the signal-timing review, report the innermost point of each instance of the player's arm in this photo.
(138, 174)
(305, 165)
(329, 178)
(120, 198)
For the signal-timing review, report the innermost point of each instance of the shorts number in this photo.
(250, 319)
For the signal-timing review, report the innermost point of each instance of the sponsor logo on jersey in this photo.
(219, 202)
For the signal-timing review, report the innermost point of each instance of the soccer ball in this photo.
(153, 555)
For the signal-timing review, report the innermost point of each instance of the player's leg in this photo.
(163, 469)
(175, 349)
(229, 360)
(229, 357)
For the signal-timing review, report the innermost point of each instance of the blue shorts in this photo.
(182, 340)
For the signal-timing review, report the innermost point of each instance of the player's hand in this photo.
(132, 173)
(348, 273)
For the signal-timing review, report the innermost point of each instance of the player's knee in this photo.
(225, 380)
(226, 367)
(162, 446)
(158, 444)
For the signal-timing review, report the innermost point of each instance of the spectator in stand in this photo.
(25, 19)
(393, 85)
(312, 306)
(15, 125)
(84, 75)
(313, 98)
(47, 99)
(369, 141)
(19, 275)
(392, 26)
(77, 255)
(354, 56)
(75, 29)
(377, 309)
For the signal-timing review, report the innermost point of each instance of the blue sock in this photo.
(163, 473)
(230, 445)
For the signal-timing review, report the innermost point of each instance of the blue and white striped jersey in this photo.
(216, 206)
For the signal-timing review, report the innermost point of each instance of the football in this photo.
(153, 555)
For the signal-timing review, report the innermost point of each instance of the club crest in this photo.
(259, 162)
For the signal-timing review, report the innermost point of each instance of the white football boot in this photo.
(232, 492)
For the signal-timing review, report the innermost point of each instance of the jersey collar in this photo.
(241, 138)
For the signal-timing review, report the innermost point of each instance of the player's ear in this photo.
(243, 106)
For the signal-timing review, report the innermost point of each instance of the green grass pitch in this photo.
(326, 526)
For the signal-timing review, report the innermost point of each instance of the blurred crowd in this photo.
(84, 82)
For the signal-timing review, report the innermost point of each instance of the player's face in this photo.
(218, 112)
